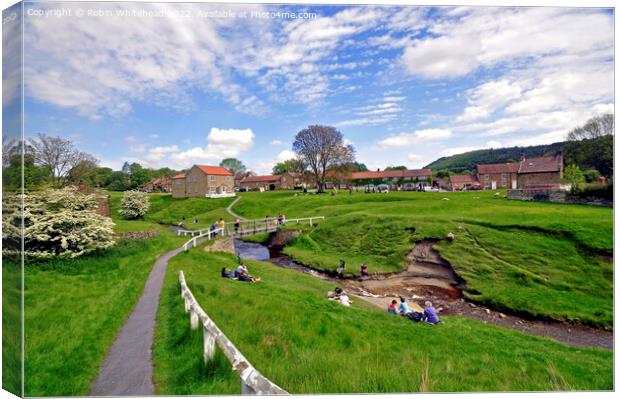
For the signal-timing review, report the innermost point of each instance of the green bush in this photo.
(602, 191)
(56, 222)
(134, 204)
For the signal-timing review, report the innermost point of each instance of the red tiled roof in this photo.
(257, 179)
(512, 167)
(417, 172)
(464, 179)
(391, 173)
(180, 176)
(214, 170)
(541, 164)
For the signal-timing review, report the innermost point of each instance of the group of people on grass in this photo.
(241, 273)
(429, 315)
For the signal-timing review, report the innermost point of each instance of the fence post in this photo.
(193, 319)
(246, 390)
(209, 344)
(187, 307)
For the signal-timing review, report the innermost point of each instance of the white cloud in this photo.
(154, 136)
(414, 157)
(379, 112)
(285, 155)
(485, 37)
(138, 148)
(488, 97)
(545, 138)
(457, 150)
(221, 143)
(130, 139)
(277, 142)
(417, 137)
(494, 144)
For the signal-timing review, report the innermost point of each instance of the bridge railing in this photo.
(252, 381)
(260, 225)
(245, 227)
(206, 235)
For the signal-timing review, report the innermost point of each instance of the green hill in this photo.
(594, 153)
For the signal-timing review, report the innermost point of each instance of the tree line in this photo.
(588, 147)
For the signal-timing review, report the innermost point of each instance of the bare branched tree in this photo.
(322, 148)
(601, 125)
(59, 155)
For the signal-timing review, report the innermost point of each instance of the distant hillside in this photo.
(590, 153)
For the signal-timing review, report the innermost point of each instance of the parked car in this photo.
(383, 188)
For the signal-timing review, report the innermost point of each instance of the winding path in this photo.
(230, 211)
(128, 367)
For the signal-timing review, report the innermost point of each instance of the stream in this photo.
(430, 278)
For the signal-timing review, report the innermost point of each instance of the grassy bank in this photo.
(536, 258)
(306, 344)
(75, 307)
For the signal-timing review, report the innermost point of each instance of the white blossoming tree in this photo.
(59, 222)
(134, 204)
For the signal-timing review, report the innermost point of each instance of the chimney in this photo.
(378, 170)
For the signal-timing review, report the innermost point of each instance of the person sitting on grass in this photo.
(403, 308)
(227, 274)
(344, 299)
(430, 314)
(241, 272)
(392, 309)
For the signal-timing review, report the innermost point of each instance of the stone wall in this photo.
(226, 244)
(538, 180)
(551, 195)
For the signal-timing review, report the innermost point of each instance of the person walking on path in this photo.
(237, 223)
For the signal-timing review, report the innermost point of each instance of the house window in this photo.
(178, 182)
(504, 180)
(486, 180)
(212, 178)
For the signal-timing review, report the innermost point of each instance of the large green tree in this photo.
(290, 165)
(322, 148)
(233, 164)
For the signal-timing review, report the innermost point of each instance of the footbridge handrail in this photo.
(247, 226)
(206, 235)
(252, 381)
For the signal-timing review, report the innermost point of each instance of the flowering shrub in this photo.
(55, 223)
(134, 204)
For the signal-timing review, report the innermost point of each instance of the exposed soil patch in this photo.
(429, 277)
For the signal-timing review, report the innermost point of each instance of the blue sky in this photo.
(405, 85)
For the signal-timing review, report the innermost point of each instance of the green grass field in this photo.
(528, 257)
(307, 344)
(166, 210)
(540, 259)
(75, 307)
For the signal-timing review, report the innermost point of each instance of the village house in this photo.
(161, 185)
(239, 177)
(285, 181)
(410, 178)
(498, 175)
(541, 172)
(202, 180)
(529, 174)
(463, 183)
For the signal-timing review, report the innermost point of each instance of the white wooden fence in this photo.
(246, 227)
(205, 235)
(252, 382)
